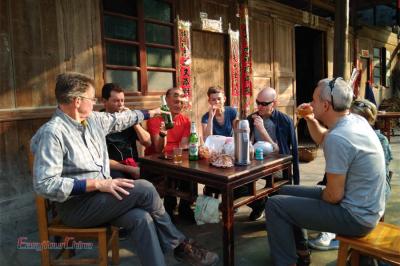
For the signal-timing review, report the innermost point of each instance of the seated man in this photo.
(164, 141)
(71, 167)
(366, 109)
(219, 120)
(121, 146)
(270, 125)
(354, 198)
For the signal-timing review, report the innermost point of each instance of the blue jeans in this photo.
(299, 207)
(141, 212)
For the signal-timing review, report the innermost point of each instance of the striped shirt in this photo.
(66, 150)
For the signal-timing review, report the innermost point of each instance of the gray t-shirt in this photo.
(270, 127)
(352, 148)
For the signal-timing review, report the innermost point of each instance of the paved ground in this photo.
(251, 247)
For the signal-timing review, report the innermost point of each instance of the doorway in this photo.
(310, 68)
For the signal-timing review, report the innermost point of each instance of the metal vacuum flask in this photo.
(242, 143)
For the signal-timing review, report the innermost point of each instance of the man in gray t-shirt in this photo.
(353, 200)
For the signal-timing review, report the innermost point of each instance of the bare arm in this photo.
(317, 131)
(259, 124)
(160, 140)
(206, 131)
(143, 135)
(184, 144)
(334, 190)
(208, 128)
(133, 171)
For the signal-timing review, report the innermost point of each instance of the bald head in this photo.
(267, 94)
(266, 100)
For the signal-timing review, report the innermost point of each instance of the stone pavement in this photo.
(251, 246)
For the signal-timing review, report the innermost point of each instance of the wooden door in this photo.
(284, 70)
(261, 36)
(208, 69)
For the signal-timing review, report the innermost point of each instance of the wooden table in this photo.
(386, 117)
(225, 180)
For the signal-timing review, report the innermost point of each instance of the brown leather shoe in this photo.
(188, 252)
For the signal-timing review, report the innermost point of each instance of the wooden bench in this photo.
(382, 243)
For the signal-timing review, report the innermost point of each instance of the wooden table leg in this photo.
(227, 220)
(387, 128)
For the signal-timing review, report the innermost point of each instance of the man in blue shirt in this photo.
(219, 120)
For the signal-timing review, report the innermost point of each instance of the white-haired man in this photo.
(354, 198)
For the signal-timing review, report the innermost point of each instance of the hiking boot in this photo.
(188, 252)
(324, 241)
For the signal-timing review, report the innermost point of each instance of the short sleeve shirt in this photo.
(352, 148)
(226, 129)
(180, 130)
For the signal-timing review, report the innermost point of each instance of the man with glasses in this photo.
(270, 125)
(71, 168)
(354, 197)
(164, 141)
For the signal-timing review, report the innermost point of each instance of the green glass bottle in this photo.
(193, 143)
(169, 122)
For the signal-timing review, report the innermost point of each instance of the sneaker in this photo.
(257, 214)
(188, 252)
(324, 241)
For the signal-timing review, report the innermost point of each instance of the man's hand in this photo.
(211, 112)
(133, 171)
(114, 186)
(157, 112)
(305, 111)
(258, 122)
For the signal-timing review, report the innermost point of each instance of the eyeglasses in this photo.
(332, 86)
(93, 100)
(264, 103)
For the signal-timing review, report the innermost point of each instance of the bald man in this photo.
(275, 127)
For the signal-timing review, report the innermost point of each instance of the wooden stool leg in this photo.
(45, 255)
(103, 249)
(355, 258)
(115, 246)
(342, 254)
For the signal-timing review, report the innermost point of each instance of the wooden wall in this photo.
(38, 40)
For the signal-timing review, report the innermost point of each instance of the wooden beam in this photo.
(341, 43)
(323, 5)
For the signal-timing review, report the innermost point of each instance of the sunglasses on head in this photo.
(332, 86)
(361, 104)
(264, 103)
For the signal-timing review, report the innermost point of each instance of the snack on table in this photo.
(221, 160)
(304, 110)
(204, 152)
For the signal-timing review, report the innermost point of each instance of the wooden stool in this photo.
(382, 243)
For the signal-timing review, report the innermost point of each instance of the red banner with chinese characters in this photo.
(246, 85)
(234, 68)
(185, 58)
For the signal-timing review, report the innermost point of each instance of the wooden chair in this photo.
(50, 225)
(382, 243)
